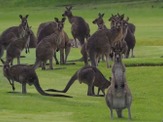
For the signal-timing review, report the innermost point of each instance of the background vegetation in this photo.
(144, 81)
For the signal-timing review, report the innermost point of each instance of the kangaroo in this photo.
(24, 74)
(15, 48)
(79, 29)
(64, 48)
(46, 29)
(89, 75)
(47, 47)
(130, 37)
(12, 33)
(118, 96)
(101, 41)
(15, 32)
(100, 22)
(101, 25)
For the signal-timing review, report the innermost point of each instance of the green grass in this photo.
(145, 82)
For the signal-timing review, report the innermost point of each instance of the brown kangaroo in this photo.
(130, 37)
(89, 75)
(64, 48)
(118, 96)
(79, 29)
(15, 32)
(15, 48)
(46, 29)
(100, 22)
(24, 74)
(47, 47)
(101, 41)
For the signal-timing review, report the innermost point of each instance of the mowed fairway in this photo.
(143, 73)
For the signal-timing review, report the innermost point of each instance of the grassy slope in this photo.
(145, 82)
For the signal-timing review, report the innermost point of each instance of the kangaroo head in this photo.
(24, 21)
(99, 21)
(117, 51)
(60, 24)
(67, 12)
(113, 20)
(6, 66)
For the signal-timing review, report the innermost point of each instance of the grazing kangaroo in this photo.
(118, 96)
(24, 74)
(100, 22)
(130, 37)
(89, 75)
(79, 29)
(47, 47)
(101, 41)
(15, 48)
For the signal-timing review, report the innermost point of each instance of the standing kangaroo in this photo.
(101, 41)
(64, 47)
(14, 32)
(15, 48)
(100, 22)
(130, 37)
(47, 47)
(118, 96)
(90, 76)
(47, 28)
(24, 74)
(79, 29)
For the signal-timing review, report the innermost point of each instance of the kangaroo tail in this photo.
(71, 81)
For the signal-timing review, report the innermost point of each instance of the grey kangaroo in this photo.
(79, 29)
(118, 96)
(48, 46)
(101, 41)
(15, 48)
(130, 37)
(15, 32)
(24, 74)
(89, 75)
(100, 22)
(47, 28)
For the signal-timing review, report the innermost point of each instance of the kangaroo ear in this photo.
(63, 19)
(102, 15)
(56, 19)
(99, 14)
(122, 16)
(26, 16)
(127, 19)
(20, 16)
(70, 8)
(2, 61)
